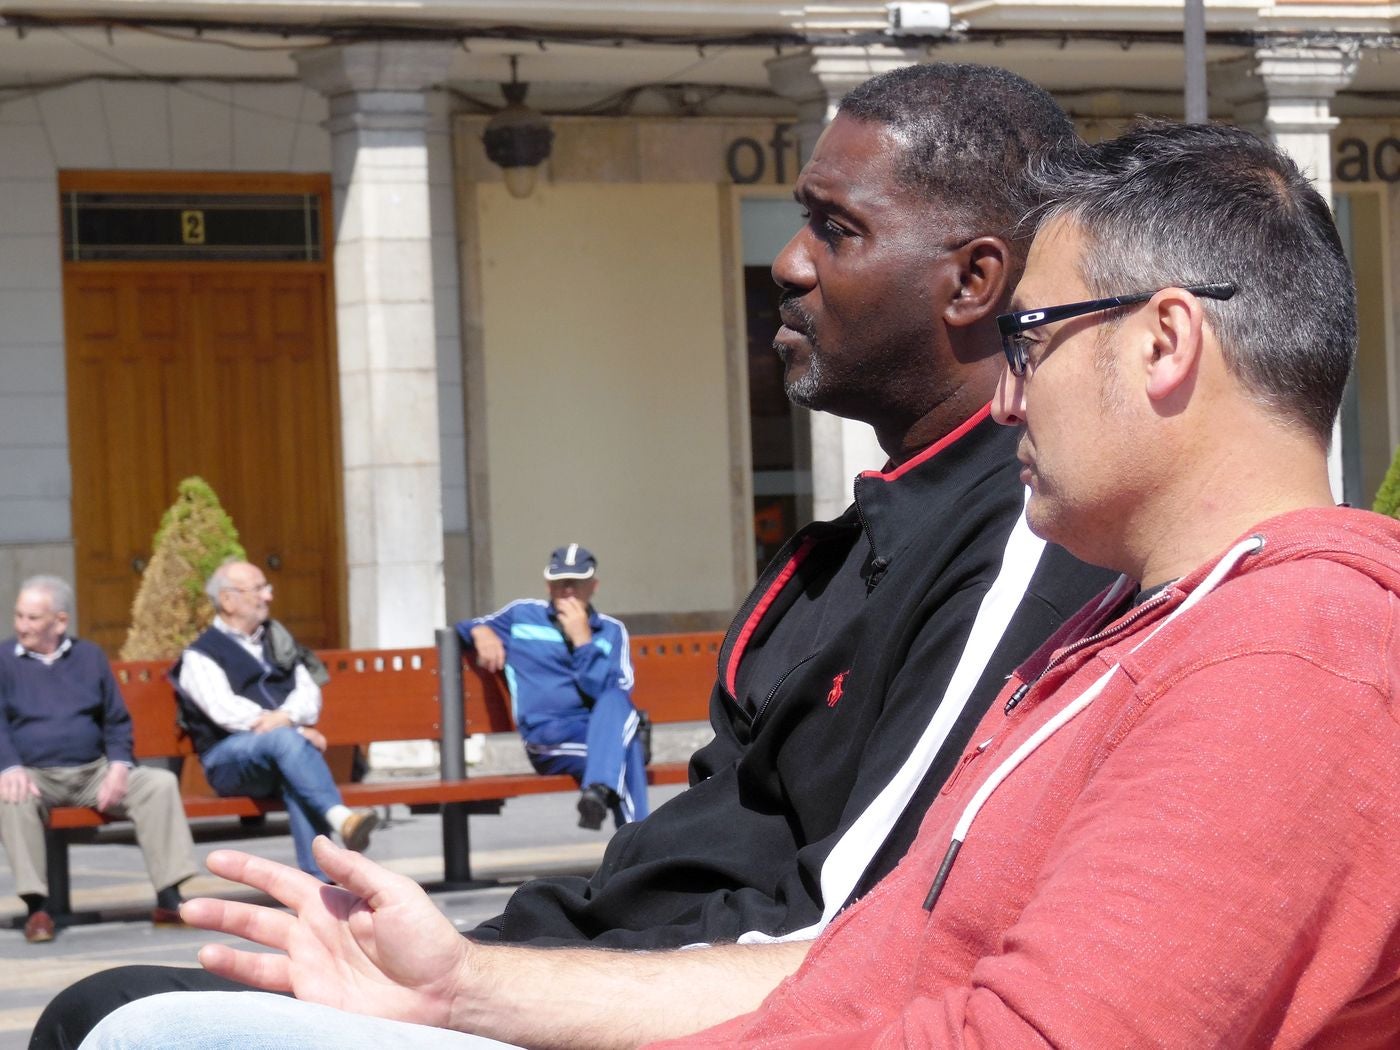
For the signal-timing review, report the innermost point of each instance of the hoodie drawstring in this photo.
(960, 830)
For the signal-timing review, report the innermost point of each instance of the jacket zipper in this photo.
(878, 562)
(818, 532)
(967, 760)
(1064, 654)
(774, 691)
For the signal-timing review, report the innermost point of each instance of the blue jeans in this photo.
(599, 748)
(259, 1021)
(278, 763)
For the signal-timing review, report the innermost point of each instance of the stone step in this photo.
(492, 753)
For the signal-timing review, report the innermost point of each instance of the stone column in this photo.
(379, 122)
(1285, 92)
(816, 80)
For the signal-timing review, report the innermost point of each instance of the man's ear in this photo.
(1171, 351)
(984, 274)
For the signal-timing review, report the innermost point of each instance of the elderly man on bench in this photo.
(250, 705)
(65, 739)
(570, 678)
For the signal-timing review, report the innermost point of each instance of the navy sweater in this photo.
(64, 714)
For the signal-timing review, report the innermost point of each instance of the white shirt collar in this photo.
(47, 659)
(227, 628)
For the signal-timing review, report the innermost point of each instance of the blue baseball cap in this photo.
(571, 563)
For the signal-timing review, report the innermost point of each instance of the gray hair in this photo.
(1171, 204)
(218, 581)
(59, 591)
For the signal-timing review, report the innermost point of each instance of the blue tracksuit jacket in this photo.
(572, 704)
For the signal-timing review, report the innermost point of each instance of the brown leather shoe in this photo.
(166, 917)
(38, 928)
(354, 833)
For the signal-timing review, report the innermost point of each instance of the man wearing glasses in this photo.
(250, 704)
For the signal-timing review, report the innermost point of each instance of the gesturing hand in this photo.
(379, 946)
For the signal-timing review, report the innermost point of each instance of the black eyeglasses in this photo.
(1012, 325)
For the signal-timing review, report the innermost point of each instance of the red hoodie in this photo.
(1208, 855)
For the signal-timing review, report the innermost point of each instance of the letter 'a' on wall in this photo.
(1361, 160)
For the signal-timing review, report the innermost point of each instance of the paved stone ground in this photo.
(533, 836)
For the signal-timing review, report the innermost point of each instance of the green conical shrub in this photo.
(1388, 498)
(195, 537)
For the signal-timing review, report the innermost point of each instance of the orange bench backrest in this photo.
(392, 694)
(151, 702)
(380, 694)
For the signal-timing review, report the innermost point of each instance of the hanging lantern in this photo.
(518, 139)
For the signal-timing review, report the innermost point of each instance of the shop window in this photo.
(779, 433)
(1367, 408)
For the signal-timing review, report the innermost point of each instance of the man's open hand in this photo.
(379, 946)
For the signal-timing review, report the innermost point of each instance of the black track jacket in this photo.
(823, 770)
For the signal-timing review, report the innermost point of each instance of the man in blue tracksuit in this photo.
(570, 679)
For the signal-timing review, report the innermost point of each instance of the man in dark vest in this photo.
(250, 704)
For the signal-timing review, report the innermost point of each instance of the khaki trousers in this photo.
(152, 804)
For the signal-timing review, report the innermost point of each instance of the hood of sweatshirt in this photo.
(1357, 539)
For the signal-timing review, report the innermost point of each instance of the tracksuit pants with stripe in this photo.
(600, 746)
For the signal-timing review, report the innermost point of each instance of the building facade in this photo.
(264, 243)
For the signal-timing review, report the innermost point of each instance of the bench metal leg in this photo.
(56, 848)
(456, 844)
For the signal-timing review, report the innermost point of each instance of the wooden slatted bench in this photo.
(399, 694)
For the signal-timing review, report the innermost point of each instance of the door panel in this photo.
(218, 370)
(128, 368)
(266, 359)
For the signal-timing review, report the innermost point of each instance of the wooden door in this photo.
(220, 370)
(264, 384)
(128, 367)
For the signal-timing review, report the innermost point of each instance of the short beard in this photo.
(806, 391)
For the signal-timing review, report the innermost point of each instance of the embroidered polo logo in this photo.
(838, 686)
